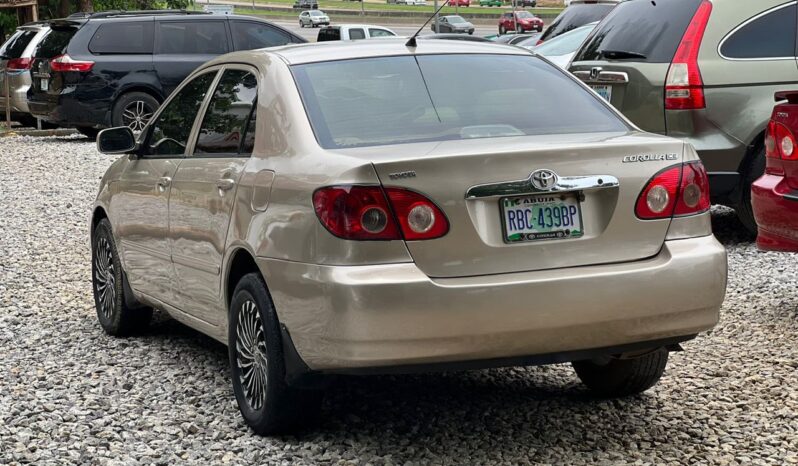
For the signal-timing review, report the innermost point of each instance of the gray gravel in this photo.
(69, 394)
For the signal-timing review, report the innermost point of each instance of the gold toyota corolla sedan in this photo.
(373, 207)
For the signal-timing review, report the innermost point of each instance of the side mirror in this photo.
(119, 140)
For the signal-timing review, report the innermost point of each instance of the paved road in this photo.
(403, 30)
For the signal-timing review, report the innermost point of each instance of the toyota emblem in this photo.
(543, 180)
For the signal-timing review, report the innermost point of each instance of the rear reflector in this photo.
(17, 64)
(63, 63)
(373, 213)
(684, 87)
(680, 190)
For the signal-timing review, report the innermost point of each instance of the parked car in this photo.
(353, 32)
(717, 96)
(15, 58)
(347, 224)
(524, 3)
(774, 196)
(579, 13)
(490, 2)
(313, 18)
(562, 48)
(453, 24)
(512, 38)
(454, 36)
(523, 21)
(465, 3)
(306, 5)
(115, 68)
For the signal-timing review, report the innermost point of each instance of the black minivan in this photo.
(115, 68)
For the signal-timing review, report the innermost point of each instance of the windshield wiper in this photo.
(621, 54)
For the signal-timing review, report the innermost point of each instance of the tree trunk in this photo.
(87, 6)
(63, 8)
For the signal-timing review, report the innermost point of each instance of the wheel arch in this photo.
(97, 215)
(240, 263)
(139, 87)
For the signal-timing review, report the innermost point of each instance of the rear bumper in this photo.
(71, 110)
(18, 91)
(776, 212)
(351, 318)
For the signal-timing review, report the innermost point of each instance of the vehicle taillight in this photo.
(780, 144)
(678, 191)
(19, 64)
(66, 63)
(371, 213)
(684, 87)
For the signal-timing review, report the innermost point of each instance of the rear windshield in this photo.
(54, 43)
(575, 16)
(393, 100)
(16, 44)
(329, 34)
(641, 30)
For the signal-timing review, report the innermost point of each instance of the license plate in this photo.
(541, 216)
(45, 84)
(604, 91)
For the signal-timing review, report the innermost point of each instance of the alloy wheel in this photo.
(104, 277)
(136, 115)
(251, 359)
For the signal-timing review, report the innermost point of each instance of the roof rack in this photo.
(112, 13)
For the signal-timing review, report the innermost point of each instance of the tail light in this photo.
(64, 63)
(374, 213)
(678, 191)
(684, 87)
(780, 145)
(18, 64)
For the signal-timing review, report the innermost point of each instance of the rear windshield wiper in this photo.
(621, 54)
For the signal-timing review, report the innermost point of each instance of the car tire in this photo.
(269, 406)
(88, 131)
(622, 377)
(301, 24)
(519, 29)
(116, 316)
(502, 31)
(134, 110)
(753, 170)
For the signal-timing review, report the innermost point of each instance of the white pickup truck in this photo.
(353, 32)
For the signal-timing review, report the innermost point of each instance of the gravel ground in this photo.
(69, 394)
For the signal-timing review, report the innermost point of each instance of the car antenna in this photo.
(412, 41)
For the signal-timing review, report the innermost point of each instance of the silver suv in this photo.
(15, 61)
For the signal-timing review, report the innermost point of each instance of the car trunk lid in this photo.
(470, 181)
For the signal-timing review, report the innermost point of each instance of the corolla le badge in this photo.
(650, 157)
(543, 180)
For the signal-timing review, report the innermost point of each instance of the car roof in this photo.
(296, 54)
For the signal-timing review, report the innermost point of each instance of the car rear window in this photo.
(392, 100)
(187, 37)
(16, 44)
(640, 29)
(123, 38)
(54, 43)
(329, 34)
(575, 16)
(771, 35)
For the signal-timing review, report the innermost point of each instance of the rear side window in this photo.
(16, 44)
(249, 35)
(640, 30)
(54, 43)
(329, 34)
(355, 34)
(771, 35)
(225, 125)
(396, 100)
(123, 38)
(192, 38)
(575, 16)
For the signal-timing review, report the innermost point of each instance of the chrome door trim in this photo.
(522, 187)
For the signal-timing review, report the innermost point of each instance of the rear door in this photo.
(182, 46)
(626, 58)
(204, 191)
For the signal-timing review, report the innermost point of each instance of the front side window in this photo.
(355, 34)
(192, 38)
(225, 125)
(123, 38)
(380, 33)
(249, 35)
(393, 100)
(168, 135)
(16, 44)
(769, 36)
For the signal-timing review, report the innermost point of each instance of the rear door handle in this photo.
(225, 184)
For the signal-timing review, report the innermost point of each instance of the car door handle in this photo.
(225, 184)
(164, 181)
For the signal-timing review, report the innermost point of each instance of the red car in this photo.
(524, 21)
(459, 2)
(774, 196)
